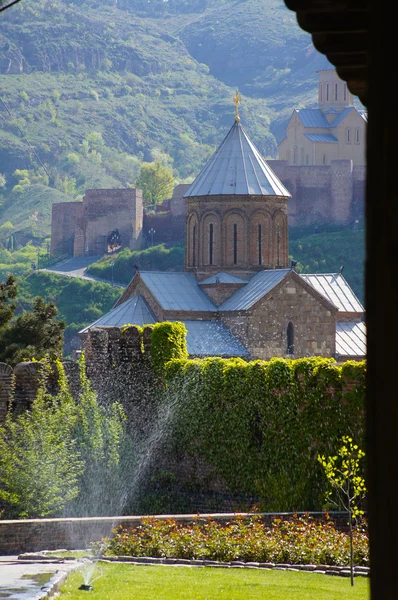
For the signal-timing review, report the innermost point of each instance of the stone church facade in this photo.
(238, 296)
(322, 156)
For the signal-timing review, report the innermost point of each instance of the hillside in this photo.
(90, 90)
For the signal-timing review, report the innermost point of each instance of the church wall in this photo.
(263, 329)
(224, 212)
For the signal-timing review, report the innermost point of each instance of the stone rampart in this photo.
(323, 193)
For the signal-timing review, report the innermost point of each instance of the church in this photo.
(238, 296)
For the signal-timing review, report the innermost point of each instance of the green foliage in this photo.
(300, 541)
(8, 293)
(156, 181)
(168, 342)
(40, 464)
(158, 258)
(63, 455)
(261, 425)
(31, 334)
(344, 473)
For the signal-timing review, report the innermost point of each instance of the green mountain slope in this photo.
(91, 89)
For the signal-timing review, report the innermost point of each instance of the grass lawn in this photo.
(125, 582)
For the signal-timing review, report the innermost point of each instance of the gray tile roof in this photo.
(334, 287)
(135, 311)
(321, 137)
(237, 167)
(257, 287)
(312, 117)
(223, 278)
(212, 338)
(351, 339)
(177, 291)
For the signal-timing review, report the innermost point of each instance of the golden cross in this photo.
(237, 101)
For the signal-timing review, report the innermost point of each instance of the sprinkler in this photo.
(85, 587)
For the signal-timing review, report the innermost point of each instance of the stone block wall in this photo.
(323, 194)
(63, 224)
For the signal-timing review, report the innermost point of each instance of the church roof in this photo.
(350, 339)
(212, 338)
(257, 287)
(237, 168)
(223, 278)
(135, 311)
(177, 291)
(334, 287)
(312, 117)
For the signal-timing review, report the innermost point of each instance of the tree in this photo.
(39, 462)
(343, 472)
(32, 334)
(156, 181)
(62, 455)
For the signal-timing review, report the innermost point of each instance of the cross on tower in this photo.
(237, 101)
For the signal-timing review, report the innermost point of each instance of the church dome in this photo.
(237, 168)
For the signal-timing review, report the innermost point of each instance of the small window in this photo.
(357, 136)
(307, 159)
(327, 92)
(345, 92)
(235, 244)
(211, 243)
(320, 93)
(336, 91)
(260, 243)
(290, 339)
(194, 246)
(348, 135)
(295, 152)
(324, 159)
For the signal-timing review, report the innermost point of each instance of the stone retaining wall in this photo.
(34, 535)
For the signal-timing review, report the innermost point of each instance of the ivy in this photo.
(168, 342)
(261, 425)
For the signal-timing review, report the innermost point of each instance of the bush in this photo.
(299, 541)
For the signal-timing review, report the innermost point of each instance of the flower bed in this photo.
(298, 541)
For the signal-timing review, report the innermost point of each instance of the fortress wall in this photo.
(106, 210)
(63, 222)
(327, 193)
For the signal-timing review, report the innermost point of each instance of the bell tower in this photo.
(236, 211)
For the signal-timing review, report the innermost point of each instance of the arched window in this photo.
(260, 243)
(211, 243)
(345, 92)
(348, 135)
(327, 92)
(324, 159)
(295, 152)
(357, 136)
(235, 244)
(320, 92)
(290, 339)
(336, 91)
(194, 246)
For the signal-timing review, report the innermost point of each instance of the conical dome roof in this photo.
(237, 168)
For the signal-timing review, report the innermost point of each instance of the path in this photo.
(32, 579)
(77, 267)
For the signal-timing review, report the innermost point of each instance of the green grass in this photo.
(121, 581)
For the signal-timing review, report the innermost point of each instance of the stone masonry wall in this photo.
(63, 223)
(321, 194)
